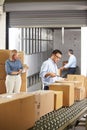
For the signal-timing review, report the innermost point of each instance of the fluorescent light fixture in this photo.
(62, 35)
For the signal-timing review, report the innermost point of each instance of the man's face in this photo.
(57, 57)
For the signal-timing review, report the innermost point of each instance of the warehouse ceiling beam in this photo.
(43, 6)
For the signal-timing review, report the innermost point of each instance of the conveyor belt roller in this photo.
(61, 118)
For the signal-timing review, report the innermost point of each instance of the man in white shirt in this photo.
(71, 65)
(49, 70)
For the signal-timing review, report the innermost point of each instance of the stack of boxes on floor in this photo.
(4, 55)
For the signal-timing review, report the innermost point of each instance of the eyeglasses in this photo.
(57, 57)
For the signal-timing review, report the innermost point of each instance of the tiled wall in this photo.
(72, 40)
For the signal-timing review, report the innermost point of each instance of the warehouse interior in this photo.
(35, 28)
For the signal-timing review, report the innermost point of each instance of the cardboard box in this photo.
(58, 99)
(44, 101)
(59, 72)
(17, 113)
(79, 93)
(68, 92)
(2, 86)
(86, 86)
(4, 55)
(75, 83)
(80, 78)
(2, 72)
(24, 82)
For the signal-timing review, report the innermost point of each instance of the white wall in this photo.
(2, 30)
(35, 61)
(84, 51)
(14, 38)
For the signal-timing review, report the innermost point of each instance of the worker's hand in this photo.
(25, 68)
(53, 74)
(19, 71)
(61, 68)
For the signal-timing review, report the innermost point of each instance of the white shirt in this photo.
(71, 62)
(48, 66)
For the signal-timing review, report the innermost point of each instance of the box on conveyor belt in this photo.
(76, 83)
(79, 93)
(58, 99)
(86, 86)
(68, 92)
(44, 101)
(17, 111)
(80, 78)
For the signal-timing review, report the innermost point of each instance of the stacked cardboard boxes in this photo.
(68, 92)
(4, 55)
(80, 89)
(77, 86)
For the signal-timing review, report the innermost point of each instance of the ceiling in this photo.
(39, 0)
(1, 2)
(43, 6)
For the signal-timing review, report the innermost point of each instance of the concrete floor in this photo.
(78, 128)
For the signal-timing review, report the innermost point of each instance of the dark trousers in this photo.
(71, 70)
(46, 87)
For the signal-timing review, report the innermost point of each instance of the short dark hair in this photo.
(71, 51)
(56, 51)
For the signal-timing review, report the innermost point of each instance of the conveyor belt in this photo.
(61, 118)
